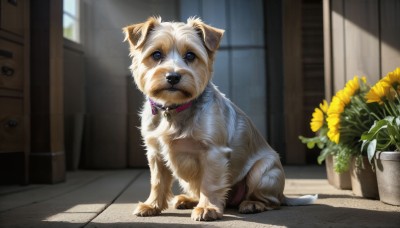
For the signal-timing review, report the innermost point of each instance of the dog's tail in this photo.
(302, 200)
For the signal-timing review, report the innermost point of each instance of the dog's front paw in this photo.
(184, 202)
(206, 214)
(145, 210)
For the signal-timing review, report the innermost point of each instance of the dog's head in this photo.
(172, 62)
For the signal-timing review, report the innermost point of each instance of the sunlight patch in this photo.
(77, 214)
(71, 217)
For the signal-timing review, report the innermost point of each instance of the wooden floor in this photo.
(107, 198)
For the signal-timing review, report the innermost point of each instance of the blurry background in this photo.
(69, 101)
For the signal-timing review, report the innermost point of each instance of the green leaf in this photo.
(379, 125)
(371, 150)
(389, 118)
(364, 144)
(310, 145)
(397, 121)
(303, 139)
(322, 156)
(392, 130)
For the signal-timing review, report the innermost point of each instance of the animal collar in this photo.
(178, 108)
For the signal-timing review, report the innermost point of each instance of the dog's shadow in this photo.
(304, 216)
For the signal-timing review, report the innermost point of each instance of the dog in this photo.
(193, 133)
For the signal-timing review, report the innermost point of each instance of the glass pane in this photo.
(70, 6)
(71, 28)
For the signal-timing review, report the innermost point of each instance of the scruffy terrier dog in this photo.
(193, 133)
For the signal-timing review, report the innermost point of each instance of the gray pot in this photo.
(338, 180)
(363, 181)
(387, 165)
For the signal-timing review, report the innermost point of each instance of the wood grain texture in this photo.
(362, 39)
(338, 45)
(390, 35)
(293, 81)
(47, 160)
(328, 68)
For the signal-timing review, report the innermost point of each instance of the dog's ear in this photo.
(136, 34)
(211, 36)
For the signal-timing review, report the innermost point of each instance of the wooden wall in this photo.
(303, 73)
(361, 38)
(293, 80)
(312, 66)
(275, 92)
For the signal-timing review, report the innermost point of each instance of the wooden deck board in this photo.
(120, 212)
(80, 201)
(13, 196)
(107, 199)
(331, 209)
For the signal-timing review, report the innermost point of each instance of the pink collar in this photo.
(178, 108)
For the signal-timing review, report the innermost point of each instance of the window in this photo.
(71, 20)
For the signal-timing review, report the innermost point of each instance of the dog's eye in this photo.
(157, 56)
(189, 56)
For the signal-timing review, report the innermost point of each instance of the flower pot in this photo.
(363, 181)
(388, 176)
(337, 180)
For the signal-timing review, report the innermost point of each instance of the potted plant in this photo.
(382, 140)
(319, 125)
(348, 118)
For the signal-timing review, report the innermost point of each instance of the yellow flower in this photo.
(336, 106)
(377, 93)
(352, 86)
(392, 78)
(318, 116)
(382, 89)
(344, 96)
(392, 81)
(324, 106)
(333, 124)
(334, 136)
(317, 120)
(339, 102)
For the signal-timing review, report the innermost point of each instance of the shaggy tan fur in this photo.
(210, 146)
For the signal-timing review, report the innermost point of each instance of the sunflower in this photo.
(324, 106)
(336, 108)
(392, 79)
(318, 116)
(319, 125)
(317, 120)
(385, 88)
(344, 96)
(377, 93)
(338, 105)
(352, 86)
(333, 125)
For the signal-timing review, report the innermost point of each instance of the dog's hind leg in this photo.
(191, 197)
(185, 202)
(265, 182)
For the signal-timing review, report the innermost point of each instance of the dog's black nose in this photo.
(173, 78)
